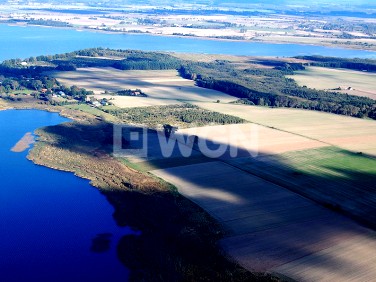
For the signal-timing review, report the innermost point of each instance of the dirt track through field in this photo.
(272, 229)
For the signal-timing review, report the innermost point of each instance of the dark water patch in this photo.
(48, 217)
(101, 243)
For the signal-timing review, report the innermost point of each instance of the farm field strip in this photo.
(246, 140)
(354, 134)
(361, 83)
(270, 228)
(163, 86)
(334, 177)
(253, 138)
(351, 270)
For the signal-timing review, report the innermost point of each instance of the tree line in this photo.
(94, 57)
(174, 114)
(332, 62)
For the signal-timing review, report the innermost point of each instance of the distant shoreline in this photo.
(219, 39)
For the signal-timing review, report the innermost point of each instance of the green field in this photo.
(337, 178)
(92, 110)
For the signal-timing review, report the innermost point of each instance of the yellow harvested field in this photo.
(165, 87)
(250, 139)
(361, 83)
(354, 134)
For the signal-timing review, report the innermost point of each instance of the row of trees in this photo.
(174, 114)
(130, 92)
(161, 62)
(48, 23)
(120, 59)
(331, 62)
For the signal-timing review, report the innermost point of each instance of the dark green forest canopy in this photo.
(252, 85)
(175, 114)
(270, 87)
(332, 62)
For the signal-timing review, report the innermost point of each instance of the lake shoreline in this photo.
(55, 204)
(218, 39)
(53, 39)
(140, 201)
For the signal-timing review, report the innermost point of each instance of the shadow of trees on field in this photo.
(179, 240)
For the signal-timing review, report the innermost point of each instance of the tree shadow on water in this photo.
(101, 243)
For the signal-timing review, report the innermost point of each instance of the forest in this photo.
(182, 115)
(331, 62)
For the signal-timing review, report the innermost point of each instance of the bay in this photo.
(54, 226)
(26, 41)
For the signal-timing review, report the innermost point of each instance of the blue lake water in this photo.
(49, 218)
(23, 42)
